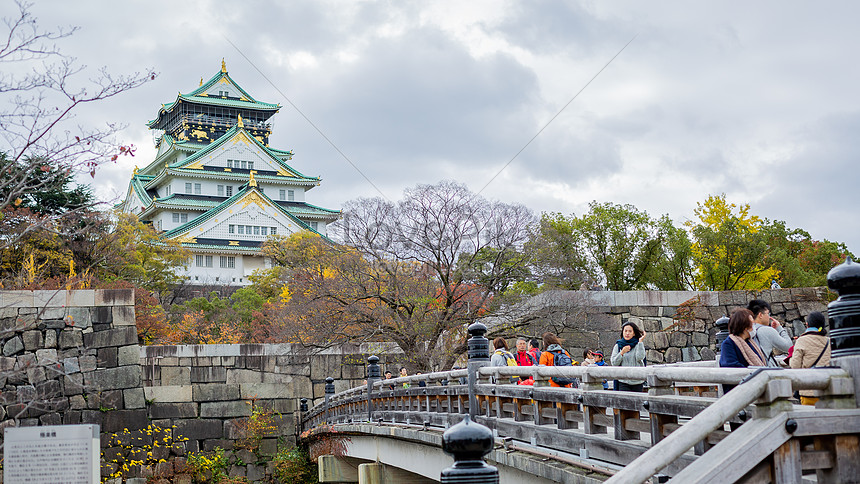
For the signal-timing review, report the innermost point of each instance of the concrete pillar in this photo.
(373, 473)
(333, 469)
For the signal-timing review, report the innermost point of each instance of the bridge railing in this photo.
(587, 420)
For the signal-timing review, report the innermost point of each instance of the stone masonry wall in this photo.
(680, 324)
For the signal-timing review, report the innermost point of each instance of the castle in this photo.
(217, 187)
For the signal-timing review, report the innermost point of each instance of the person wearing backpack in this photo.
(555, 355)
(629, 351)
(811, 349)
(534, 350)
(501, 356)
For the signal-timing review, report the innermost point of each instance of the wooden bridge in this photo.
(681, 430)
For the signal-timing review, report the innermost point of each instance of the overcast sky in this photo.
(757, 100)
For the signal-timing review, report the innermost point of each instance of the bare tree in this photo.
(41, 91)
(412, 271)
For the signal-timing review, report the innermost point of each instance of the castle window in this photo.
(229, 190)
(231, 229)
(264, 230)
(242, 229)
(256, 230)
(167, 190)
(176, 218)
(248, 230)
(244, 164)
(203, 260)
(274, 230)
(197, 189)
(220, 190)
(250, 165)
(228, 262)
(282, 194)
(187, 188)
(291, 195)
(183, 217)
(229, 163)
(314, 225)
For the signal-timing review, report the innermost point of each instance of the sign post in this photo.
(52, 454)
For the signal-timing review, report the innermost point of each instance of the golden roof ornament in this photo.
(223, 66)
(251, 181)
(201, 82)
(135, 169)
(240, 123)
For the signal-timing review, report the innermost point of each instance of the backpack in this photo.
(509, 358)
(560, 358)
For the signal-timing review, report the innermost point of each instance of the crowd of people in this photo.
(756, 339)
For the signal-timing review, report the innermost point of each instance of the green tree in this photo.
(615, 245)
(674, 270)
(730, 248)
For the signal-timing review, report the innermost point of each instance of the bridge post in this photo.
(374, 372)
(469, 442)
(843, 316)
(479, 356)
(303, 409)
(723, 333)
(329, 391)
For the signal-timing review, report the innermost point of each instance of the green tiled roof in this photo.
(223, 139)
(177, 200)
(226, 203)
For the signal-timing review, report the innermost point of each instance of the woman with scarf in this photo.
(739, 350)
(629, 351)
(811, 349)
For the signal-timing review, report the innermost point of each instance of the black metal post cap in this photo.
(373, 369)
(478, 345)
(791, 425)
(477, 329)
(373, 359)
(467, 440)
(329, 385)
(843, 314)
(845, 278)
(646, 404)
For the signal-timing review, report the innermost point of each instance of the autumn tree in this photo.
(407, 272)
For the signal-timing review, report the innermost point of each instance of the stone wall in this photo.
(680, 324)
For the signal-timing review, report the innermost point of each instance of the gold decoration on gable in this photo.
(186, 239)
(283, 172)
(241, 137)
(234, 242)
(223, 65)
(199, 133)
(254, 197)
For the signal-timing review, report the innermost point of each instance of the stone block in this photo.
(598, 322)
(13, 346)
(113, 378)
(70, 338)
(102, 316)
(33, 340)
(209, 392)
(208, 374)
(654, 356)
(658, 340)
(54, 323)
(48, 389)
(169, 393)
(175, 375)
(73, 385)
(79, 317)
(225, 409)
(81, 298)
(353, 372)
(49, 298)
(128, 355)
(88, 363)
(673, 355)
(112, 337)
(265, 390)
(678, 339)
(676, 298)
(699, 339)
(50, 338)
(708, 354)
(46, 356)
(7, 363)
(239, 376)
(119, 420)
(107, 357)
(114, 297)
(17, 299)
(255, 473)
(198, 429)
(36, 375)
(690, 354)
(173, 410)
(133, 398)
(123, 316)
(276, 378)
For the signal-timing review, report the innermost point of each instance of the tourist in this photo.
(403, 373)
(811, 349)
(629, 351)
(587, 357)
(768, 333)
(501, 356)
(534, 350)
(389, 376)
(421, 383)
(553, 352)
(739, 350)
(523, 357)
